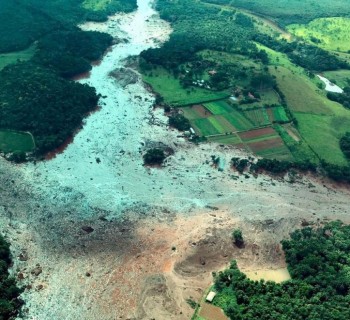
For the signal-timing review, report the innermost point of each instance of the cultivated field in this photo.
(223, 123)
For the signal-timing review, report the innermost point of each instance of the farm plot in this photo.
(216, 117)
(213, 125)
(277, 114)
(266, 142)
(238, 120)
(195, 112)
(258, 117)
(227, 139)
(210, 312)
(204, 127)
(218, 107)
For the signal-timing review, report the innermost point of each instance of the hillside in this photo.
(43, 48)
(232, 70)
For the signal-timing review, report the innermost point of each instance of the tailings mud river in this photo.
(110, 233)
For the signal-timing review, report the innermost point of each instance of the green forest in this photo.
(45, 102)
(318, 262)
(9, 292)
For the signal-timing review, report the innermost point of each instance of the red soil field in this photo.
(203, 112)
(210, 312)
(256, 133)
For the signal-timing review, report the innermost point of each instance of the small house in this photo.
(210, 297)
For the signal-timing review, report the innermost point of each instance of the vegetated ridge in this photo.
(319, 289)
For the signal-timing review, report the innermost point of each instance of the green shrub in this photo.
(154, 156)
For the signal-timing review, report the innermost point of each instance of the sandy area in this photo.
(116, 240)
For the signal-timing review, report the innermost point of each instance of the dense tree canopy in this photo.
(198, 27)
(48, 106)
(345, 144)
(69, 52)
(154, 156)
(318, 262)
(9, 292)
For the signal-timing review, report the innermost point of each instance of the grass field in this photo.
(340, 77)
(278, 59)
(322, 133)
(11, 141)
(321, 122)
(13, 57)
(173, 93)
(301, 94)
(299, 148)
(333, 33)
(279, 114)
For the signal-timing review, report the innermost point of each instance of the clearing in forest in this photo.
(15, 141)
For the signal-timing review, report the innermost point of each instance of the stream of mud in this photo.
(67, 214)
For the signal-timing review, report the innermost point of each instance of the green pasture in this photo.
(11, 141)
(340, 77)
(13, 57)
(218, 107)
(173, 93)
(269, 97)
(299, 149)
(278, 59)
(301, 94)
(328, 33)
(322, 133)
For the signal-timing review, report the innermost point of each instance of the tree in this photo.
(179, 122)
(238, 238)
(345, 144)
(154, 156)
